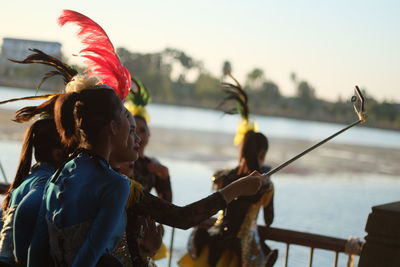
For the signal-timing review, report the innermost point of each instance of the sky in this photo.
(333, 45)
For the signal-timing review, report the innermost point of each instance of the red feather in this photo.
(102, 58)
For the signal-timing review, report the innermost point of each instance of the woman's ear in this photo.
(113, 127)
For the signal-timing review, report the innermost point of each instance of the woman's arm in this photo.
(163, 188)
(185, 217)
(192, 214)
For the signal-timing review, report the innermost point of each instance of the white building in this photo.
(18, 48)
(22, 75)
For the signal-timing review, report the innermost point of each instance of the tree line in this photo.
(165, 74)
(155, 70)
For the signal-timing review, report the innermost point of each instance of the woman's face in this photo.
(134, 139)
(126, 141)
(143, 132)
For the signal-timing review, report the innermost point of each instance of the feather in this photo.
(27, 113)
(141, 95)
(236, 93)
(42, 58)
(47, 96)
(138, 100)
(102, 59)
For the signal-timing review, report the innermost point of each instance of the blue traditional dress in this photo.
(82, 215)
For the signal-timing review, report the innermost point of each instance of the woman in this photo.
(233, 239)
(82, 216)
(148, 171)
(42, 140)
(84, 205)
(240, 218)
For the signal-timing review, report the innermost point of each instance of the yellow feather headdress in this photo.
(138, 99)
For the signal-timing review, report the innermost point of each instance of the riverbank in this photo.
(216, 150)
(193, 102)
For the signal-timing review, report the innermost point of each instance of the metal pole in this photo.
(310, 263)
(3, 173)
(287, 255)
(283, 165)
(336, 259)
(171, 247)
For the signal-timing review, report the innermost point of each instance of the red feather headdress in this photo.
(102, 58)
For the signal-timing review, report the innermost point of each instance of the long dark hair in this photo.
(79, 117)
(40, 139)
(253, 144)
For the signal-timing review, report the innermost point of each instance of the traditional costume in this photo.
(84, 210)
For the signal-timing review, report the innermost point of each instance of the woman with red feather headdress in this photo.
(82, 217)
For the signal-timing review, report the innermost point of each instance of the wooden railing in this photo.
(312, 241)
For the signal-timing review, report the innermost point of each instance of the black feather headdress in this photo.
(39, 57)
(42, 58)
(234, 92)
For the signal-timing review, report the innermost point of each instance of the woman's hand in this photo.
(152, 239)
(246, 186)
(249, 185)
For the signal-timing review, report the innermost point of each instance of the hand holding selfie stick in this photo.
(359, 108)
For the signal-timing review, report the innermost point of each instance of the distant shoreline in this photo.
(205, 106)
(286, 116)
